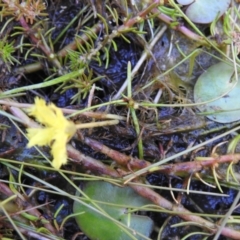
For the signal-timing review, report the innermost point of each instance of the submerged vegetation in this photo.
(119, 114)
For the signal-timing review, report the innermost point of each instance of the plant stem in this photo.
(52, 82)
(97, 124)
(39, 44)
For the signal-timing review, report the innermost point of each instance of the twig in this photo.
(96, 115)
(120, 158)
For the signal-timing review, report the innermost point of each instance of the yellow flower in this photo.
(57, 132)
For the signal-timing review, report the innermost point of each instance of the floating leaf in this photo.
(219, 82)
(99, 227)
(205, 11)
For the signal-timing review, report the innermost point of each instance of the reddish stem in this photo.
(178, 27)
(120, 158)
(38, 43)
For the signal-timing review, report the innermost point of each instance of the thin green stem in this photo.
(55, 81)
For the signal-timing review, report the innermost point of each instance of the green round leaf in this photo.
(98, 227)
(205, 11)
(219, 82)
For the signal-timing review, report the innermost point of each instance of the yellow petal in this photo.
(39, 136)
(59, 151)
(45, 114)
